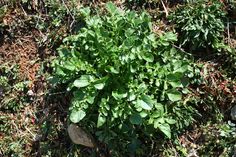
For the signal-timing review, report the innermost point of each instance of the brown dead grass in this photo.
(19, 47)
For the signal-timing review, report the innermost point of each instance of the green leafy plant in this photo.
(127, 83)
(231, 4)
(219, 140)
(200, 24)
(62, 19)
(11, 89)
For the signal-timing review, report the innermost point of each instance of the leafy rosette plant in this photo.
(200, 24)
(126, 82)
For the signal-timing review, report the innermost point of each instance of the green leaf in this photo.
(83, 81)
(174, 76)
(136, 119)
(159, 108)
(174, 95)
(160, 120)
(79, 95)
(169, 36)
(165, 128)
(90, 98)
(101, 120)
(151, 37)
(119, 94)
(157, 114)
(131, 96)
(70, 66)
(100, 84)
(176, 84)
(145, 102)
(143, 114)
(111, 8)
(170, 121)
(77, 116)
(112, 70)
(148, 57)
(85, 11)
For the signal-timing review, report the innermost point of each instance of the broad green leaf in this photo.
(60, 71)
(133, 68)
(111, 8)
(185, 91)
(176, 84)
(157, 114)
(83, 81)
(156, 123)
(79, 95)
(112, 70)
(148, 57)
(131, 96)
(77, 116)
(174, 95)
(151, 37)
(114, 114)
(136, 119)
(145, 102)
(70, 66)
(165, 85)
(85, 11)
(148, 100)
(180, 67)
(101, 120)
(129, 32)
(119, 94)
(174, 76)
(170, 121)
(159, 108)
(99, 86)
(90, 98)
(169, 36)
(158, 83)
(165, 128)
(143, 114)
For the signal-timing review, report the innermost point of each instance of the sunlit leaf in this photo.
(77, 116)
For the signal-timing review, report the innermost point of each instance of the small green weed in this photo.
(200, 24)
(127, 82)
(204, 140)
(11, 89)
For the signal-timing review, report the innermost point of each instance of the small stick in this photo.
(228, 31)
(164, 8)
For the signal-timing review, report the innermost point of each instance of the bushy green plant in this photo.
(219, 139)
(200, 24)
(127, 82)
(231, 6)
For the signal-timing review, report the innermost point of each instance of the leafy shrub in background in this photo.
(11, 90)
(231, 7)
(127, 83)
(200, 24)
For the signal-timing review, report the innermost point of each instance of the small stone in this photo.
(30, 93)
(79, 136)
(233, 113)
